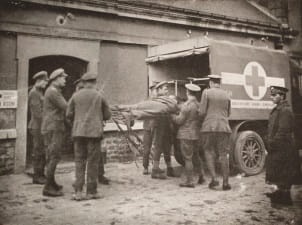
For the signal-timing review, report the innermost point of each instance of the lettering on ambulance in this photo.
(255, 83)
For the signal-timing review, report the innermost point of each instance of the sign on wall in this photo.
(8, 99)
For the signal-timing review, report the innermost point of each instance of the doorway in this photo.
(75, 68)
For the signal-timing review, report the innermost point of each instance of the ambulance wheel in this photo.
(177, 153)
(249, 153)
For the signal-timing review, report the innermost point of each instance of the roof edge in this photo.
(264, 11)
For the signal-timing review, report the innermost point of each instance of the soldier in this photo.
(89, 110)
(162, 139)
(148, 126)
(35, 103)
(189, 122)
(53, 129)
(282, 165)
(215, 108)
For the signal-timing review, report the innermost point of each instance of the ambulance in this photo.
(247, 73)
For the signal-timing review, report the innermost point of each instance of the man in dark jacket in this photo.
(215, 108)
(53, 129)
(35, 103)
(88, 109)
(282, 165)
(189, 123)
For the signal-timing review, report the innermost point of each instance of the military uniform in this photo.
(35, 103)
(189, 123)
(282, 162)
(89, 109)
(215, 108)
(53, 129)
(282, 165)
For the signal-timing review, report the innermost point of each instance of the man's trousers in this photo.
(87, 153)
(39, 158)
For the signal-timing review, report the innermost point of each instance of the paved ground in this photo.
(133, 198)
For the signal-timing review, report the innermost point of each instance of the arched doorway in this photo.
(74, 67)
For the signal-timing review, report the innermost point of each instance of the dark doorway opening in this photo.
(75, 68)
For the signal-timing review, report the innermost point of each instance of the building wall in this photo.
(8, 71)
(117, 148)
(122, 45)
(7, 150)
(123, 66)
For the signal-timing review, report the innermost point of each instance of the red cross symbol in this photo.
(255, 81)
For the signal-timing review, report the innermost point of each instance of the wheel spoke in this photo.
(246, 161)
(255, 162)
(256, 150)
(257, 154)
(255, 144)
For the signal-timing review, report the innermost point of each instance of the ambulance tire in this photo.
(177, 153)
(249, 153)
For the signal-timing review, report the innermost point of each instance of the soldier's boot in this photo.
(158, 174)
(145, 171)
(213, 184)
(104, 180)
(226, 187)
(170, 172)
(189, 181)
(50, 190)
(201, 179)
(38, 177)
(91, 191)
(283, 198)
(93, 196)
(78, 196)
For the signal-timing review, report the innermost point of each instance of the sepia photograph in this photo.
(150, 112)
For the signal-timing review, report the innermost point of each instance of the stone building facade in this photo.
(110, 38)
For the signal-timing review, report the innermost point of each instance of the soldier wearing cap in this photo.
(88, 109)
(282, 165)
(53, 129)
(215, 109)
(35, 103)
(162, 139)
(189, 123)
(148, 135)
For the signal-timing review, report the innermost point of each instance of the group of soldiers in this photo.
(86, 111)
(206, 120)
(203, 127)
(199, 125)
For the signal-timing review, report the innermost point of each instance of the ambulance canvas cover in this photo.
(247, 73)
